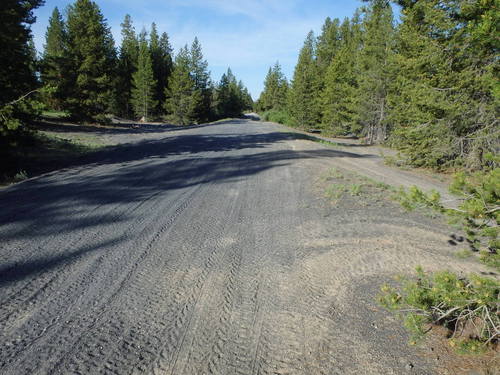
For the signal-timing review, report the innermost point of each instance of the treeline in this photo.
(427, 86)
(82, 72)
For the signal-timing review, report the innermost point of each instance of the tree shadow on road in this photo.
(64, 202)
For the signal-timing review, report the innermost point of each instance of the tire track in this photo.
(82, 279)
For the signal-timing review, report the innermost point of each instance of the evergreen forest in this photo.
(83, 73)
(425, 84)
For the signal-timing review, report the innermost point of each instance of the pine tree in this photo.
(247, 101)
(375, 75)
(16, 66)
(144, 84)
(327, 47)
(53, 60)
(275, 91)
(182, 97)
(201, 77)
(302, 103)
(127, 66)
(231, 96)
(92, 60)
(55, 37)
(167, 65)
(161, 56)
(328, 44)
(443, 102)
(339, 98)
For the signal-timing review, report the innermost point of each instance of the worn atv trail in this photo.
(205, 251)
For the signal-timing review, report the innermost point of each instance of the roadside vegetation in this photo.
(469, 307)
(427, 86)
(347, 185)
(31, 153)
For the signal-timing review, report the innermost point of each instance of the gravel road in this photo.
(208, 250)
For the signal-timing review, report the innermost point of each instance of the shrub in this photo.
(279, 116)
(468, 307)
(478, 214)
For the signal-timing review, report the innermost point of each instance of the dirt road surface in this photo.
(209, 250)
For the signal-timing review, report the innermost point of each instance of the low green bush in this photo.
(468, 307)
(478, 214)
(279, 116)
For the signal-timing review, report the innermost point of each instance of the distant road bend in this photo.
(204, 251)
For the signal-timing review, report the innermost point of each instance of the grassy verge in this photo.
(340, 185)
(31, 153)
(55, 115)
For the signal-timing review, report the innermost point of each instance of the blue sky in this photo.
(247, 35)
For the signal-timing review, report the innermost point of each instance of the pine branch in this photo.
(21, 98)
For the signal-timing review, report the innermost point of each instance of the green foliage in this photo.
(20, 176)
(127, 65)
(339, 99)
(144, 67)
(91, 61)
(415, 198)
(274, 95)
(182, 97)
(468, 307)
(468, 346)
(53, 61)
(189, 89)
(442, 99)
(202, 84)
(302, 102)
(161, 61)
(374, 71)
(144, 84)
(332, 173)
(478, 214)
(490, 259)
(231, 97)
(355, 189)
(428, 86)
(17, 63)
(279, 116)
(335, 191)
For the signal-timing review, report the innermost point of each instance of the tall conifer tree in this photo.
(182, 97)
(232, 97)
(444, 104)
(303, 91)
(144, 84)
(53, 60)
(275, 91)
(339, 98)
(127, 66)
(161, 57)
(16, 61)
(201, 77)
(167, 65)
(92, 61)
(375, 74)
